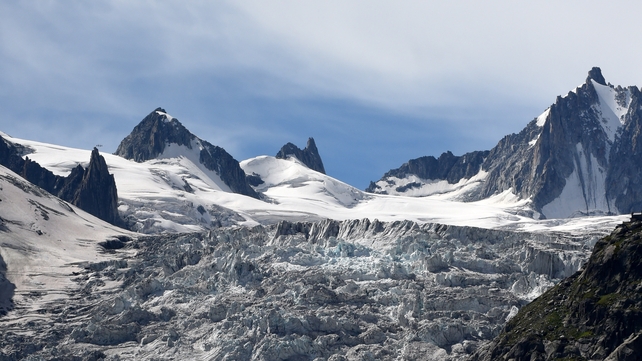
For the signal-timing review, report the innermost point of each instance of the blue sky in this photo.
(376, 83)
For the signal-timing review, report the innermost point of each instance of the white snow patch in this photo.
(569, 201)
(613, 114)
(541, 119)
(168, 118)
(513, 312)
(585, 189)
(413, 186)
(189, 160)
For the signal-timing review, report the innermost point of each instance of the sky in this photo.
(376, 83)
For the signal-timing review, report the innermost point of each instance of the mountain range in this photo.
(578, 158)
(171, 248)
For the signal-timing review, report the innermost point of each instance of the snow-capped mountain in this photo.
(581, 156)
(161, 136)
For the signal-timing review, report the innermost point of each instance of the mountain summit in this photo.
(159, 135)
(581, 156)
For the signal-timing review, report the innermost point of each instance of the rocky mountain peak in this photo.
(582, 156)
(596, 74)
(308, 156)
(150, 137)
(159, 130)
(92, 189)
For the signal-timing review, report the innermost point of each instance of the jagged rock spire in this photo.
(308, 156)
(596, 74)
(97, 193)
(92, 190)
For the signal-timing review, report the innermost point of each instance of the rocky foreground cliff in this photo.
(594, 315)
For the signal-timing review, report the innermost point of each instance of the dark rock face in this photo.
(582, 156)
(308, 156)
(625, 175)
(594, 315)
(157, 130)
(217, 159)
(92, 190)
(596, 74)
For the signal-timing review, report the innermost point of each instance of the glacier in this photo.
(328, 290)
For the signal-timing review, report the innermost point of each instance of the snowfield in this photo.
(164, 195)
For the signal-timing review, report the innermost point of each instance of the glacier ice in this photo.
(327, 290)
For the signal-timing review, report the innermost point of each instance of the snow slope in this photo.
(43, 240)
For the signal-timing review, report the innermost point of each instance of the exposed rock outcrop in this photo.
(158, 130)
(92, 190)
(308, 156)
(594, 315)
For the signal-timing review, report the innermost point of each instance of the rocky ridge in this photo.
(579, 157)
(329, 290)
(158, 131)
(92, 189)
(447, 167)
(594, 315)
(308, 156)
